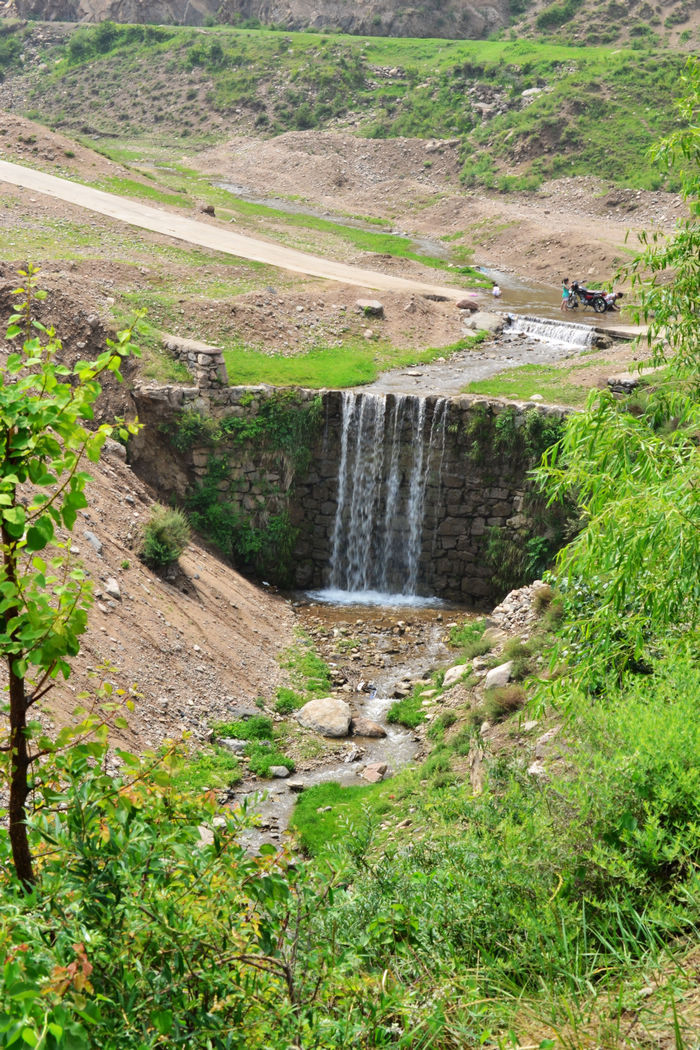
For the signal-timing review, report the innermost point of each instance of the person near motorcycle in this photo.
(565, 293)
(611, 300)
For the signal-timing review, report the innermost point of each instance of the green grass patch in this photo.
(262, 758)
(353, 364)
(211, 769)
(307, 670)
(124, 187)
(521, 383)
(318, 828)
(257, 728)
(407, 712)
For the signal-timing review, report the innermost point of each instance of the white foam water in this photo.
(390, 449)
(336, 596)
(561, 333)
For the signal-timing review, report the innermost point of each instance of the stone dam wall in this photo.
(474, 478)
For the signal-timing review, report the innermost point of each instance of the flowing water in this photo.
(566, 335)
(275, 802)
(390, 449)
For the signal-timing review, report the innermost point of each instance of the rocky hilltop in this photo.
(452, 18)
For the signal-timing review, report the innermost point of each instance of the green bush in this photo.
(165, 536)
(257, 728)
(262, 757)
(288, 701)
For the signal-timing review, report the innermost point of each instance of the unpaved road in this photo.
(210, 235)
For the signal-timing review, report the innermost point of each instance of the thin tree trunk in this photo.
(19, 749)
(19, 783)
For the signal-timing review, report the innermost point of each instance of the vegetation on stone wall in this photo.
(284, 425)
(516, 442)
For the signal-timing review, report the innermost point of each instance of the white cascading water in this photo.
(561, 333)
(390, 450)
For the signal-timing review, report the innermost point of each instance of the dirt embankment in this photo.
(189, 646)
(569, 226)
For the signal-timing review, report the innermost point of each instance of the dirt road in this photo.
(210, 235)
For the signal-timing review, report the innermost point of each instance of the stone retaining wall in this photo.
(204, 363)
(467, 494)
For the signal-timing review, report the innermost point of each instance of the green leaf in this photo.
(29, 1036)
(162, 1021)
(40, 534)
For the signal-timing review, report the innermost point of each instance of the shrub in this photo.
(504, 701)
(521, 654)
(288, 701)
(165, 536)
(257, 728)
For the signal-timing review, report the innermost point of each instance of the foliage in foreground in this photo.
(632, 576)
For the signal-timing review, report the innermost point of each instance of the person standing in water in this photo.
(496, 291)
(565, 293)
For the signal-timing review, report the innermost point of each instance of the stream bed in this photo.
(380, 651)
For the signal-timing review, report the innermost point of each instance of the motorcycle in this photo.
(585, 297)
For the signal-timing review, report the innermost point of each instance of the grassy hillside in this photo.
(523, 110)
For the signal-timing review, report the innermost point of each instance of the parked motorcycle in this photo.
(585, 297)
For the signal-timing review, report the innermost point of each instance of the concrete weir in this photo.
(400, 494)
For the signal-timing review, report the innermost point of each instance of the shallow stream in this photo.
(426, 624)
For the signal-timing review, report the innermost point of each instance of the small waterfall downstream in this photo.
(391, 453)
(561, 333)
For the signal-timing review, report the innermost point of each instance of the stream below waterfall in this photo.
(395, 647)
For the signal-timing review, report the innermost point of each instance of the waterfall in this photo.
(562, 333)
(391, 452)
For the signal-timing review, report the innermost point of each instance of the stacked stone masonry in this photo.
(462, 504)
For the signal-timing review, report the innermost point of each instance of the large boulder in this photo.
(499, 676)
(453, 674)
(328, 716)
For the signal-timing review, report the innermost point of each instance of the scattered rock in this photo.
(279, 772)
(93, 540)
(354, 754)
(112, 589)
(366, 727)
(328, 716)
(370, 307)
(374, 772)
(538, 771)
(453, 674)
(468, 304)
(231, 744)
(297, 786)
(499, 676)
(207, 209)
(541, 745)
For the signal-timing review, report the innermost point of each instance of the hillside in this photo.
(590, 22)
(519, 112)
(453, 18)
